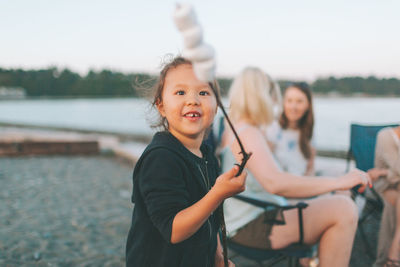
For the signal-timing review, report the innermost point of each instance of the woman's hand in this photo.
(228, 185)
(354, 178)
(375, 173)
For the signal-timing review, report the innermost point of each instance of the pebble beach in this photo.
(64, 211)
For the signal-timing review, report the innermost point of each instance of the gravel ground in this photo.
(76, 211)
(64, 211)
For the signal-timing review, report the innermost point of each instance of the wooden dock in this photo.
(14, 142)
(51, 147)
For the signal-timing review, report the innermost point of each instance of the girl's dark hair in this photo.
(159, 86)
(305, 123)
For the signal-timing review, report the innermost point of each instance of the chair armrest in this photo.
(266, 204)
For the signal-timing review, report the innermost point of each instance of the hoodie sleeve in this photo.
(162, 186)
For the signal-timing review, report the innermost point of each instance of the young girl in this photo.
(290, 137)
(175, 186)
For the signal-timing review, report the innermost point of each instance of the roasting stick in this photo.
(202, 56)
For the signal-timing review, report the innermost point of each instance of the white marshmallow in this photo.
(199, 53)
(205, 70)
(192, 36)
(184, 17)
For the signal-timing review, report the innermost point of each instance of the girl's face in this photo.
(295, 104)
(188, 104)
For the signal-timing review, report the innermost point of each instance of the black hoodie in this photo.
(167, 179)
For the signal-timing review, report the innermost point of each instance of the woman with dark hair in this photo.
(290, 137)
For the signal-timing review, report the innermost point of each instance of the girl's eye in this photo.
(203, 93)
(180, 92)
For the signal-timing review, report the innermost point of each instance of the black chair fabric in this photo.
(292, 252)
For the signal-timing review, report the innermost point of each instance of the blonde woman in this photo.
(330, 220)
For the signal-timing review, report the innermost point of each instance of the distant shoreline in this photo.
(315, 95)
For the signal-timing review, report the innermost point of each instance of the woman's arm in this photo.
(263, 167)
(189, 220)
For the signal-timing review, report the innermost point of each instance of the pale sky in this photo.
(287, 39)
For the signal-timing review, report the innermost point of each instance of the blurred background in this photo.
(73, 120)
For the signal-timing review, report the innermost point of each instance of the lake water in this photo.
(333, 116)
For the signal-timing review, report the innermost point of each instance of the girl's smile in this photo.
(192, 115)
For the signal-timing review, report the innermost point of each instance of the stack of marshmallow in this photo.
(200, 54)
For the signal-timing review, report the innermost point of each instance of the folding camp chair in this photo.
(270, 257)
(273, 256)
(362, 151)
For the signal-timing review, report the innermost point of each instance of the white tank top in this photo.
(239, 213)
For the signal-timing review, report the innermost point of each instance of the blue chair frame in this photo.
(362, 144)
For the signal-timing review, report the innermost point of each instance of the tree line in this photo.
(55, 82)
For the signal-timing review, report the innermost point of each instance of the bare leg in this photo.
(391, 196)
(395, 246)
(331, 220)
